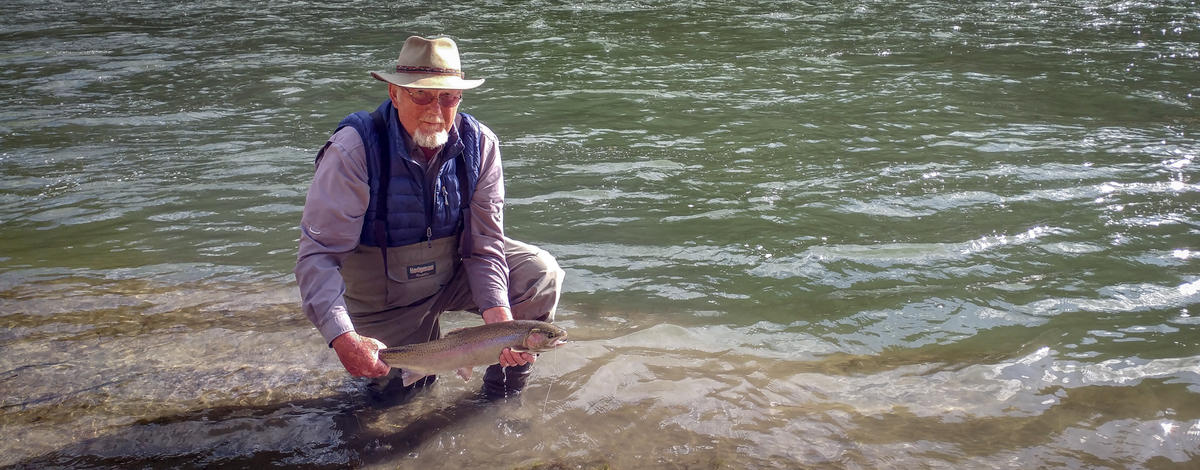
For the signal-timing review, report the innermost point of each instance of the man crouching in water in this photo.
(404, 221)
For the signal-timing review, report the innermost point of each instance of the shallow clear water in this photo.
(796, 234)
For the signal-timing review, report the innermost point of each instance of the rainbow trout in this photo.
(463, 349)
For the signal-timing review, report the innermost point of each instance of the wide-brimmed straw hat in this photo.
(428, 63)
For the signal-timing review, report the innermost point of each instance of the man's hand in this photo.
(508, 357)
(360, 355)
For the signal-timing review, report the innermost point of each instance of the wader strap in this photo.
(385, 176)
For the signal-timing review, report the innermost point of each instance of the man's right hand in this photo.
(360, 355)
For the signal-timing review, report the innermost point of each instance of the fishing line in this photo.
(548, 386)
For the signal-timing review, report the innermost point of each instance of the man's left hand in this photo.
(508, 357)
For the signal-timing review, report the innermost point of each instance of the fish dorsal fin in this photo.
(453, 332)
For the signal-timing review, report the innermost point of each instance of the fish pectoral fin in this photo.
(519, 349)
(408, 377)
(465, 373)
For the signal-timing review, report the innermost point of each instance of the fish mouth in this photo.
(560, 340)
(551, 345)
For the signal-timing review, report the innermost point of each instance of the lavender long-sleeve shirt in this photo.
(333, 218)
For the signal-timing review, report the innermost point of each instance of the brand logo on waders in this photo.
(418, 271)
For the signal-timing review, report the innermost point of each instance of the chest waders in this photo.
(382, 278)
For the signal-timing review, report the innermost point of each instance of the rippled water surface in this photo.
(797, 234)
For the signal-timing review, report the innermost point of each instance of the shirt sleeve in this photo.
(487, 269)
(329, 231)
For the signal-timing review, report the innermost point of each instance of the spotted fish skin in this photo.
(464, 349)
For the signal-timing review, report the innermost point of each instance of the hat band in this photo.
(430, 70)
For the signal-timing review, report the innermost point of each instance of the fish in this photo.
(464, 349)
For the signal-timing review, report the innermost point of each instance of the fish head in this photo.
(545, 337)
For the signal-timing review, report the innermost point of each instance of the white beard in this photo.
(431, 141)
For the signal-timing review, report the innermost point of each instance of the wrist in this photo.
(497, 314)
(344, 340)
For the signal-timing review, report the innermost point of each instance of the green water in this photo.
(796, 234)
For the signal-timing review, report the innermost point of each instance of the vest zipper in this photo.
(445, 201)
(429, 208)
(429, 217)
(419, 176)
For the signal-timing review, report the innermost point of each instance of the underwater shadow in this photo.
(224, 437)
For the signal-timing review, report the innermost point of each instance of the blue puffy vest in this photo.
(402, 208)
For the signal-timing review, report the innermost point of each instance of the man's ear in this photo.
(394, 94)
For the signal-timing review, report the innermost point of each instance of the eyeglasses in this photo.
(422, 98)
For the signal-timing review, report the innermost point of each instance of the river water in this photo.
(850, 234)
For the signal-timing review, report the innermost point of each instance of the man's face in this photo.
(429, 123)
